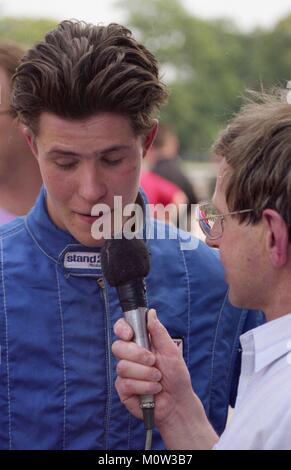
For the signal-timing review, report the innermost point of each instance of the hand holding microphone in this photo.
(178, 410)
(125, 263)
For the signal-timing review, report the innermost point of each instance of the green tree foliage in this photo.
(207, 65)
(25, 31)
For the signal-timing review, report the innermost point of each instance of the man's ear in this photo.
(30, 139)
(277, 239)
(150, 137)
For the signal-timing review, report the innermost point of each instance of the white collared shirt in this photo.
(262, 415)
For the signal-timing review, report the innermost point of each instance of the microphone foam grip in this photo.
(124, 260)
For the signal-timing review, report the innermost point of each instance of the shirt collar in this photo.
(61, 246)
(268, 342)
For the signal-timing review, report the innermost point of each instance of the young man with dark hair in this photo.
(88, 97)
(249, 221)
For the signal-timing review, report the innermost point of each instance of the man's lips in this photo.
(85, 217)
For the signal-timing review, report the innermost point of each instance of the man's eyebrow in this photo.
(101, 153)
(113, 148)
(59, 151)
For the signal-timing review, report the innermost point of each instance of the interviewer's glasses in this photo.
(210, 221)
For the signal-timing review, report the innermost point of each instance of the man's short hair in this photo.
(81, 69)
(257, 146)
(10, 55)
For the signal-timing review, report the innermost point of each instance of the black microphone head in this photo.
(124, 260)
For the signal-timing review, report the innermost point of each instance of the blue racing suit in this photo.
(57, 371)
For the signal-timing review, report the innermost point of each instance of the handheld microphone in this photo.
(125, 263)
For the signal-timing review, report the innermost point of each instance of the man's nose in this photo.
(92, 187)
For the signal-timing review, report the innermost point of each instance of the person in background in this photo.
(249, 220)
(160, 189)
(161, 194)
(165, 161)
(20, 179)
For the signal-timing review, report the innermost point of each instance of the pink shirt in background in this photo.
(5, 216)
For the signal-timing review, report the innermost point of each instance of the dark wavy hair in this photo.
(81, 69)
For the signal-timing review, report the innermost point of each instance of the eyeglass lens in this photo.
(209, 222)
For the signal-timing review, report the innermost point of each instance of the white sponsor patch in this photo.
(179, 343)
(82, 260)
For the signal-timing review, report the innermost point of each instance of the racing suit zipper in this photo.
(101, 284)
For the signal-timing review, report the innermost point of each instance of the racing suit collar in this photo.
(61, 246)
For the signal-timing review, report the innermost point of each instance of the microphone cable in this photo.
(149, 440)
(148, 419)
